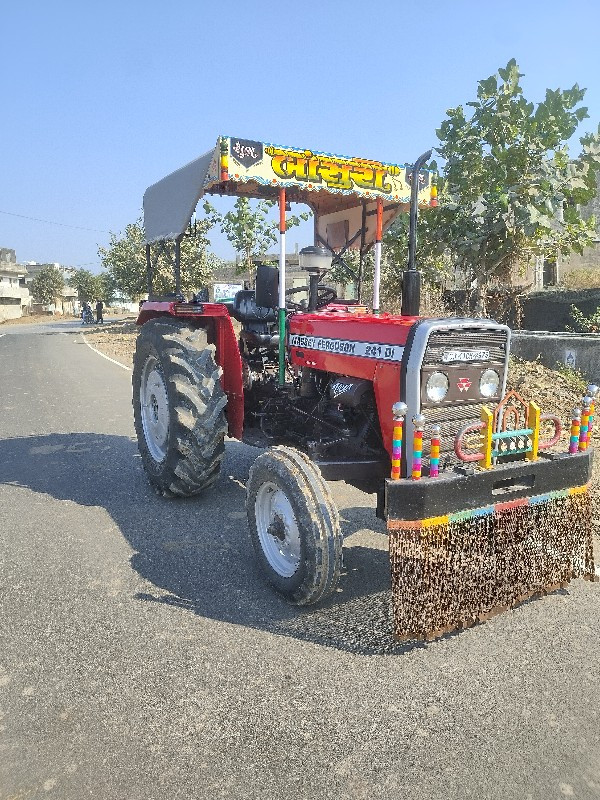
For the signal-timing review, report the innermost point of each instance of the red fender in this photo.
(215, 318)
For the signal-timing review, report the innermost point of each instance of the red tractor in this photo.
(331, 390)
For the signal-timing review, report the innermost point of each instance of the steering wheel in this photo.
(325, 295)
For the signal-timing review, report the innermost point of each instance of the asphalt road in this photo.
(142, 656)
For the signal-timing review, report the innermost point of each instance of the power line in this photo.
(50, 222)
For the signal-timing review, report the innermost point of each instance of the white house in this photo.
(15, 299)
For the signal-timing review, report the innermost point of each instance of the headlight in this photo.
(489, 383)
(437, 386)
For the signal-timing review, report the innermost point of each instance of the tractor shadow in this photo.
(197, 552)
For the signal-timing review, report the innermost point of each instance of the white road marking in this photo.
(118, 363)
(2, 334)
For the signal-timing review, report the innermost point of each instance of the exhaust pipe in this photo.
(411, 277)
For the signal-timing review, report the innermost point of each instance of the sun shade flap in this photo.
(170, 203)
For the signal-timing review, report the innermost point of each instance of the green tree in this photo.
(434, 258)
(125, 261)
(86, 283)
(510, 190)
(249, 229)
(47, 285)
(107, 289)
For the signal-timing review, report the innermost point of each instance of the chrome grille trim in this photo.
(453, 334)
(451, 420)
(440, 341)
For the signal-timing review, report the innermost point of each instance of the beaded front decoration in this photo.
(453, 571)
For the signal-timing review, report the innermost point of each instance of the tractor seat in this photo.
(245, 309)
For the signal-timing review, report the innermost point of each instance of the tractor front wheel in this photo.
(294, 526)
(178, 407)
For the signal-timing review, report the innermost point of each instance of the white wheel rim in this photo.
(277, 529)
(154, 402)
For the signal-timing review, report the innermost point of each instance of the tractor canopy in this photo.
(342, 192)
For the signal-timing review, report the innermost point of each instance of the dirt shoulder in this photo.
(115, 339)
(34, 319)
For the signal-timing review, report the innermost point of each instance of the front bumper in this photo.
(469, 489)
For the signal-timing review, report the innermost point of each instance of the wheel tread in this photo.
(323, 573)
(196, 444)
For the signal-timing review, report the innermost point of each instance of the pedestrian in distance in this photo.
(99, 310)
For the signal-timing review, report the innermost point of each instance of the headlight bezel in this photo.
(428, 388)
(494, 385)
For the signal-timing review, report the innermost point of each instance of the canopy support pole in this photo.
(281, 317)
(361, 260)
(148, 271)
(178, 265)
(378, 237)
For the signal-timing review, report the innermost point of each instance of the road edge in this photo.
(108, 358)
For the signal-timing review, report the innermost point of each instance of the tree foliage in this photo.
(125, 261)
(508, 191)
(86, 284)
(107, 289)
(47, 285)
(583, 324)
(249, 229)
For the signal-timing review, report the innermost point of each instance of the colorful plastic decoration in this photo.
(575, 429)
(419, 423)
(584, 435)
(434, 453)
(487, 418)
(399, 412)
(224, 160)
(593, 391)
(534, 414)
(434, 191)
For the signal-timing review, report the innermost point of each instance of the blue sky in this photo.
(101, 100)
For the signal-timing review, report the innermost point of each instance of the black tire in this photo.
(178, 408)
(294, 526)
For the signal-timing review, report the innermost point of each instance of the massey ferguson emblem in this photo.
(465, 355)
(464, 384)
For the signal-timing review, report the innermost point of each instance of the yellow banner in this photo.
(270, 165)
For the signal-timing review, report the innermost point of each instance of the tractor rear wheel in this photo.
(178, 407)
(294, 525)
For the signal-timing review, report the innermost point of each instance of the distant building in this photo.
(15, 299)
(67, 303)
(589, 260)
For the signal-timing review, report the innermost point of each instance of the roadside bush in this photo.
(583, 324)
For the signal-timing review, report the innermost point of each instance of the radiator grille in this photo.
(465, 339)
(452, 419)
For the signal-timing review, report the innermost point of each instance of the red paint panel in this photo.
(282, 223)
(353, 366)
(383, 329)
(230, 360)
(214, 316)
(154, 308)
(379, 226)
(386, 384)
